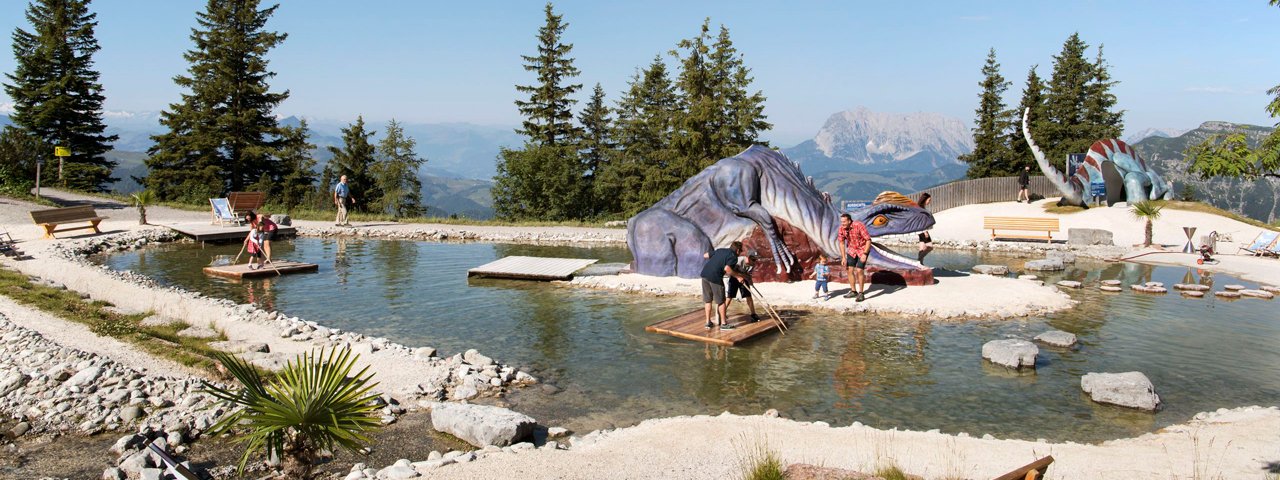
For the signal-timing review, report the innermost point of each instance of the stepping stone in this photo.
(1048, 264)
(1268, 288)
(1192, 293)
(1069, 284)
(1227, 294)
(1192, 287)
(1147, 289)
(1257, 293)
(1111, 283)
(1129, 389)
(1028, 277)
(1057, 338)
(1233, 287)
(991, 269)
(1154, 284)
(1109, 288)
(1013, 353)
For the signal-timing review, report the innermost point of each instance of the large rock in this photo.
(1129, 389)
(1057, 338)
(85, 376)
(1089, 236)
(282, 220)
(1012, 353)
(1065, 257)
(1046, 265)
(991, 269)
(481, 425)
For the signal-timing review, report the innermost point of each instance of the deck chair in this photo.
(222, 212)
(7, 244)
(1263, 244)
(1031, 471)
(242, 202)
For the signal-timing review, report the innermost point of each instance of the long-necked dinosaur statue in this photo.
(759, 194)
(1109, 162)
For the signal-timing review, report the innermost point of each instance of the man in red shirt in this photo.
(856, 242)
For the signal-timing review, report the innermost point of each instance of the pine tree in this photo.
(596, 145)
(543, 180)
(355, 160)
(298, 165)
(396, 172)
(56, 93)
(1099, 106)
(18, 153)
(222, 135)
(1064, 129)
(548, 111)
(642, 169)
(1032, 97)
(990, 156)
(698, 121)
(744, 117)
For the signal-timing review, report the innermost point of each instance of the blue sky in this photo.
(1179, 62)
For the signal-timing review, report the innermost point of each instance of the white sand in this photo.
(1227, 444)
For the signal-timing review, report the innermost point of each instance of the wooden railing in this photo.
(983, 190)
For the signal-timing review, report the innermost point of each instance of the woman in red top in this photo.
(266, 230)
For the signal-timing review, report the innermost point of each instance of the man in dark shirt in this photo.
(719, 263)
(1024, 179)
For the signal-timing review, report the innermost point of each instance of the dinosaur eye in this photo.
(880, 221)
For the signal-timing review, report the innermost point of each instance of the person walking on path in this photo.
(857, 247)
(926, 240)
(266, 231)
(742, 289)
(719, 263)
(1024, 179)
(821, 272)
(341, 194)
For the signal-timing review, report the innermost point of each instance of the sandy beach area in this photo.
(1239, 443)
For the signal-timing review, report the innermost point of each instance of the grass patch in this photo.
(761, 463)
(161, 341)
(891, 472)
(1062, 209)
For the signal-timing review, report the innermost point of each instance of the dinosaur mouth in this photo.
(885, 257)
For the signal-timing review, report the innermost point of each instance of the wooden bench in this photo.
(50, 219)
(1026, 224)
(1031, 471)
(242, 202)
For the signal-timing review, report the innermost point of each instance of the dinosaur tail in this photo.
(1069, 194)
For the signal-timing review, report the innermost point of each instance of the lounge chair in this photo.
(222, 214)
(1263, 244)
(7, 244)
(242, 202)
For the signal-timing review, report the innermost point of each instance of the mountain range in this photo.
(1257, 199)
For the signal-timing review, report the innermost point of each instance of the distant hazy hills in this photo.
(1140, 135)
(1259, 199)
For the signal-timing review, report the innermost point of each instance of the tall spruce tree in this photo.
(355, 160)
(542, 180)
(744, 117)
(55, 90)
(222, 135)
(1032, 97)
(298, 165)
(396, 171)
(990, 156)
(698, 135)
(1100, 112)
(641, 169)
(596, 145)
(1064, 129)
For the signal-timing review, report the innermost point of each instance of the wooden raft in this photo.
(531, 268)
(691, 326)
(242, 270)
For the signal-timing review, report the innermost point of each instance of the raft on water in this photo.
(242, 270)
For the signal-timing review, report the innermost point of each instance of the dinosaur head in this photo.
(892, 214)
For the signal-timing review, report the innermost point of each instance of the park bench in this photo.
(242, 202)
(1026, 224)
(1031, 471)
(50, 219)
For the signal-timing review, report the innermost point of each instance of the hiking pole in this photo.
(782, 326)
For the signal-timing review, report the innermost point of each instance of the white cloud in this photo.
(6, 108)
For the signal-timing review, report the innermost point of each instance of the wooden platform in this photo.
(203, 232)
(242, 270)
(531, 268)
(691, 326)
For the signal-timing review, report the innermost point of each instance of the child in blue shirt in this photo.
(820, 274)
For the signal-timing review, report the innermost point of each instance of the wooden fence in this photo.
(983, 190)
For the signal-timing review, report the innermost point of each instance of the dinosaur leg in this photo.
(1135, 187)
(664, 244)
(739, 190)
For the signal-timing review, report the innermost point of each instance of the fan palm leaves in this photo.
(1147, 210)
(141, 200)
(313, 404)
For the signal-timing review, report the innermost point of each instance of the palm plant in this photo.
(313, 404)
(141, 200)
(1149, 211)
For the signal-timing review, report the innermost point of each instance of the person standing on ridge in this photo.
(857, 248)
(341, 194)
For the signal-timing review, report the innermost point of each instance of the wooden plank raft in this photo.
(691, 326)
(242, 270)
(531, 268)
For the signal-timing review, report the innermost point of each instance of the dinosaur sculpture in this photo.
(1110, 162)
(763, 199)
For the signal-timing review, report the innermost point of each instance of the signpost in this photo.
(61, 153)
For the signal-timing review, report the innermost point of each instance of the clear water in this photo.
(1202, 354)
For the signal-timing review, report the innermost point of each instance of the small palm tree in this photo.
(313, 404)
(1149, 211)
(141, 200)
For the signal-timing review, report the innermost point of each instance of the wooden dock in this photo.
(204, 232)
(531, 268)
(691, 326)
(242, 270)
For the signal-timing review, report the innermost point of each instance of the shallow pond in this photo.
(1202, 354)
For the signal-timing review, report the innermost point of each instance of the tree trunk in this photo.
(1148, 232)
(142, 215)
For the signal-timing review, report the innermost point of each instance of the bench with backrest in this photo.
(1025, 224)
(242, 202)
(50, 219)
